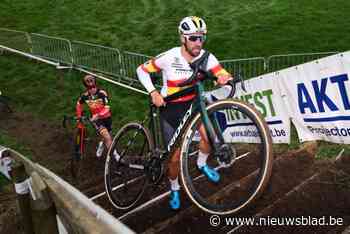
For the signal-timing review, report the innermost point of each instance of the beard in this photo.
(194, 51)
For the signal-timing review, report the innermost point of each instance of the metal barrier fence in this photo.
(15, 39)
(130, 61)
(52, 48)
(250, 67)
(121, 66)
(278, 62)
(96, 58)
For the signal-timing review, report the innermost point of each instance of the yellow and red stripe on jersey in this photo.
(150, 66)
(172, 87)
(218, 70)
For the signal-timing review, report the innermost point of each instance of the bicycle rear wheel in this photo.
(125, 178)
(243, 159)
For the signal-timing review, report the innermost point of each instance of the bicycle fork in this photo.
(223, 152)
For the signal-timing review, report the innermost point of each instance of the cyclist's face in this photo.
(90, 84)
(194, 43)
(90, 81)
(92, 89)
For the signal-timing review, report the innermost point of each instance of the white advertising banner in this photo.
(264, 94)
(317, 97)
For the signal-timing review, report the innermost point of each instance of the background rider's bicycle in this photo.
(241, 152)
(80, 139)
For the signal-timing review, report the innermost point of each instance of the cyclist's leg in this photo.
(204, 151)
(104, 127)
(173, 175)
(170, 117)
(173, 165)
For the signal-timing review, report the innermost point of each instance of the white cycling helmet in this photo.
(192, 24)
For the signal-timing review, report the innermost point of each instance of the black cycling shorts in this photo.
(170, 118)
(104, 123)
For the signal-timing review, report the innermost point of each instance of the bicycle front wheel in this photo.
(125, 179)
(78, 154)
(242, 157)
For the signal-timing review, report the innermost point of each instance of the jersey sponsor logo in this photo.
(176, 63)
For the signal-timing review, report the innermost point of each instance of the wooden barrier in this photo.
(51, 195)
(23, 197)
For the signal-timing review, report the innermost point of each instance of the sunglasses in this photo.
(194, 38)
(90, 81)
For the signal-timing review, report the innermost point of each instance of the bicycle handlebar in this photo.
(84, 119)
(237, 79)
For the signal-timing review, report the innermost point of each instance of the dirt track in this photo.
(300, 186)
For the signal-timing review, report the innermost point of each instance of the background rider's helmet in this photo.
(89, 81)
(192, 24)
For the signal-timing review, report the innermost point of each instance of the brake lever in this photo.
(240, 79)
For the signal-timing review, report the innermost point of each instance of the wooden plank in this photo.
(77, 212)
(23, 197)
(43, 209)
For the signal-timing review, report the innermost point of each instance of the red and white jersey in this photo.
(175, 69)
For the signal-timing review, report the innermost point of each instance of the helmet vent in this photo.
(195, 23)
(185, 26)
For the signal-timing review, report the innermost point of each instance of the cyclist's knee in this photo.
(103, 132)
(175, 157)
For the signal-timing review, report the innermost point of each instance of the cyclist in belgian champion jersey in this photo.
(175, 68)
(97, 101)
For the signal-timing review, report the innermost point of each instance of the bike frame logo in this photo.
(178, 130)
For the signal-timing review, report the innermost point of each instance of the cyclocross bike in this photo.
(241, 152)
(80, 137)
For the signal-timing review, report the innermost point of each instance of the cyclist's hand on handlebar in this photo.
(94, 118)
(223, 79)
(157, 99)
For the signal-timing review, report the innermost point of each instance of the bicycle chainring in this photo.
(226, 156)
(154, 170)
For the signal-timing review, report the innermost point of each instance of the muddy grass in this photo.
(51, 147)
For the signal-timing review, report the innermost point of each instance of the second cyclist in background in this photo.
(98, 103)
(175, 67)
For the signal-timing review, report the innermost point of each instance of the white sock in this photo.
(174, 184)
(202, 159)
(116, 155)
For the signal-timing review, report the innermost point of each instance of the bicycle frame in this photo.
(79, 147)
(198, 106)
(81, 132)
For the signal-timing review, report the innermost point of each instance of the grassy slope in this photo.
(236, 29)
